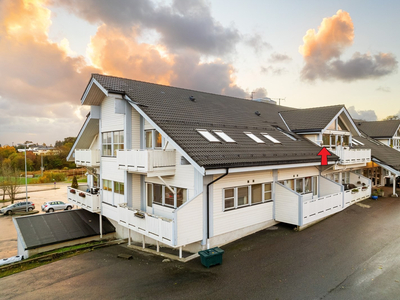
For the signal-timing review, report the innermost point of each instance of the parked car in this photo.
(20, 206)
(56, 205)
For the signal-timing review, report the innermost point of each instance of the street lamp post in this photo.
(26, 176)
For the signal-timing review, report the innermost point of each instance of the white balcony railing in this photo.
(147, 161)
(84, 200)
(352, 156)
(357, 194)
(87, 157)
(158, 228)
(315, 209)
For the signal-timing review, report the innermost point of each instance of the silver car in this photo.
(56, 205)
(21, 206)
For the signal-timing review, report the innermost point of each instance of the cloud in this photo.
(366, 115)
(322, 50)
(273, 70)
(256, 42)
(277, 57)
(185, 24)
(385, 89)
(260, 93)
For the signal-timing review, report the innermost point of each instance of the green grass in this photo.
(21, 180)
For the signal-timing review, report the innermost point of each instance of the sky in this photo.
(306, 53)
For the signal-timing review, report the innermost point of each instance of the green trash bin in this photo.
(211, 257)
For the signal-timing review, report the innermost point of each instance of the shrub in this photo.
(74, 183)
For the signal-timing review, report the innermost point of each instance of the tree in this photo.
(10, 182)
(393, 117)
(74, 183)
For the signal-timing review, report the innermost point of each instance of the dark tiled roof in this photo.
(385, 154)
(172, 110)
(377, 129)
(47, 229)
(310, 119)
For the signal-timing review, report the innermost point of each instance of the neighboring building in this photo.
(387, 132)
(193, 170)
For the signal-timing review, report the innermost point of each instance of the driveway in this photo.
(37, 194)
(351, 255)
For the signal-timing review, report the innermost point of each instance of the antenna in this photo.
(279, 99)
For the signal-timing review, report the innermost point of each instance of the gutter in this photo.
(208, 206)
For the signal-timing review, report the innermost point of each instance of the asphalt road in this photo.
(351, 255)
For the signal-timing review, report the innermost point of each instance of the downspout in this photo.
(208, 206)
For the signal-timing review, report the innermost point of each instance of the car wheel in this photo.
(8, 212)
(69, 207)
(51, 210)
(30, 208)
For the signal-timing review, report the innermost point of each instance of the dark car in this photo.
(21, 206)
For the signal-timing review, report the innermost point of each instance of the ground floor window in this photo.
(162, 195)
(303, 185)
(237, 197)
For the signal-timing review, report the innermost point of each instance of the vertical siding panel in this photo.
(135, 129)
(110, 121)
(190, 222)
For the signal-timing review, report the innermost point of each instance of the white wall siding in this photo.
(136, 191)
(110, 121)
(286, 205)
(135, 129)
(147, 125)
(110, 171)
(226, 221)
(109, 211)
(190, 221)
(293, 173)
(327, 187)
(312, 137)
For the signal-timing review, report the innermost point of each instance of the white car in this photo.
(56, 205)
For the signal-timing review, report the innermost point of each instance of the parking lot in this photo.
(38, 194)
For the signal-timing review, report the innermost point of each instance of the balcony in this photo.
(157, 228)
(81, 198)
(149, 162)
(87, 157)
(352, 156)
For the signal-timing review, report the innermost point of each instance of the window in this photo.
(162, 195)
(107, 185)
(119, 188)
(302, 185)
(153, 139)
(272, 139)
(254, 138)
(111, 142)
(106, 143)
(118, 141)
(224, 136)
(247, 195)
(208, 136)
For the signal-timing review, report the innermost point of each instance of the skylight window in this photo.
(254, 138)
(208, 136)
(357, 142)
(272, 139)
(224, 136)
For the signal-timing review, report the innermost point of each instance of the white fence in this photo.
(87, 157)
(84, 200)
(145, 161)
(352, 156)
(355, 195)
(159, 229)
(321, 207)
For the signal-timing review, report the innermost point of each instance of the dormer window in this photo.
(254, 138)
(208, 136)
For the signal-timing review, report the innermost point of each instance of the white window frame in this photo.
(249, 195)
(113, 143)
(224, 136)
(208, 136)
(254, 138)
(153, 139)
(151, 185)
(271, 138)
(303, 181)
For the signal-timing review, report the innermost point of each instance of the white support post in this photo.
(180, 252)
(158, 246)
(143, 241)
(166, 184)
(394, 186)
(129, 237)
(101, 225)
